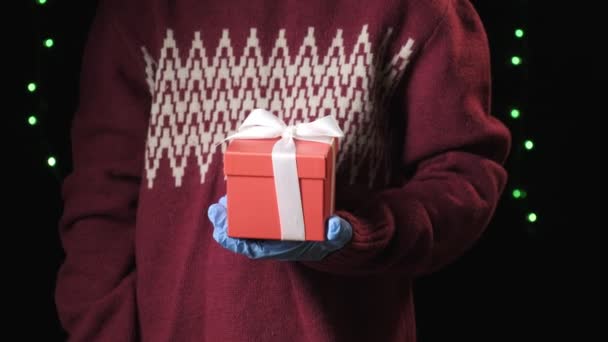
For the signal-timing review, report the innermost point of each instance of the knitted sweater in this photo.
(419, 172)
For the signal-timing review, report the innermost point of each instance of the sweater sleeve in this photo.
(95, 286)
(457, 151)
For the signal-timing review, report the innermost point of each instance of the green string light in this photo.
(41, 2)
(52, 161)
(31, 87)
(32, 120)
(519, 193)
(515, 113)
(49, 42)
(516, 193)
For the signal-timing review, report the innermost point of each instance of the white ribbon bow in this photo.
(262, 124)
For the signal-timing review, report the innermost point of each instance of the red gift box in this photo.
(252, 200)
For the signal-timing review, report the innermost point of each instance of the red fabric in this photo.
(419, 176)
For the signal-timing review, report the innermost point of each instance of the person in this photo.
(420, 168)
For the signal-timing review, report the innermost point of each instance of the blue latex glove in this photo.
(339, 233)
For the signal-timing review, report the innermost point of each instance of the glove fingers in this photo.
(339, 232)
(247, 248)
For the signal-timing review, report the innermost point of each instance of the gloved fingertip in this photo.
(339, 230)
(333, 228)
(224, 201)
(219, 235)
(213, 211)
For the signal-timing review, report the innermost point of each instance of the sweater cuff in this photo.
(377, 241)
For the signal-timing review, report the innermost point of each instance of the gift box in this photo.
(253, 207)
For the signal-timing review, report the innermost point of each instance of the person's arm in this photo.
(457, 149)
(95, 286)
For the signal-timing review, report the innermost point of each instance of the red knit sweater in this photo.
(419, 171)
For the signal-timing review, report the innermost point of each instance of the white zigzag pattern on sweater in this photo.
(198, 102)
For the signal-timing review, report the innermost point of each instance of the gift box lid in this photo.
(252, 157)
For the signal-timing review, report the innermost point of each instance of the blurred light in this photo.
(41, 2)
(519, 33)
(52, 161)
(515, 113)
(49, 42)
(515, 60)
(517, 193)
(32, 120)
(528, 144)
(31, 87)
(532, 217)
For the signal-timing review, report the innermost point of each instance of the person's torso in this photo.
(208, 64)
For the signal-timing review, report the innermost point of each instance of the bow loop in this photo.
(262, 124)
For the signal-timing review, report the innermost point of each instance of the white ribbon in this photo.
(262, 124)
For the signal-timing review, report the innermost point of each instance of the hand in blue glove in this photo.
(339, 233)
